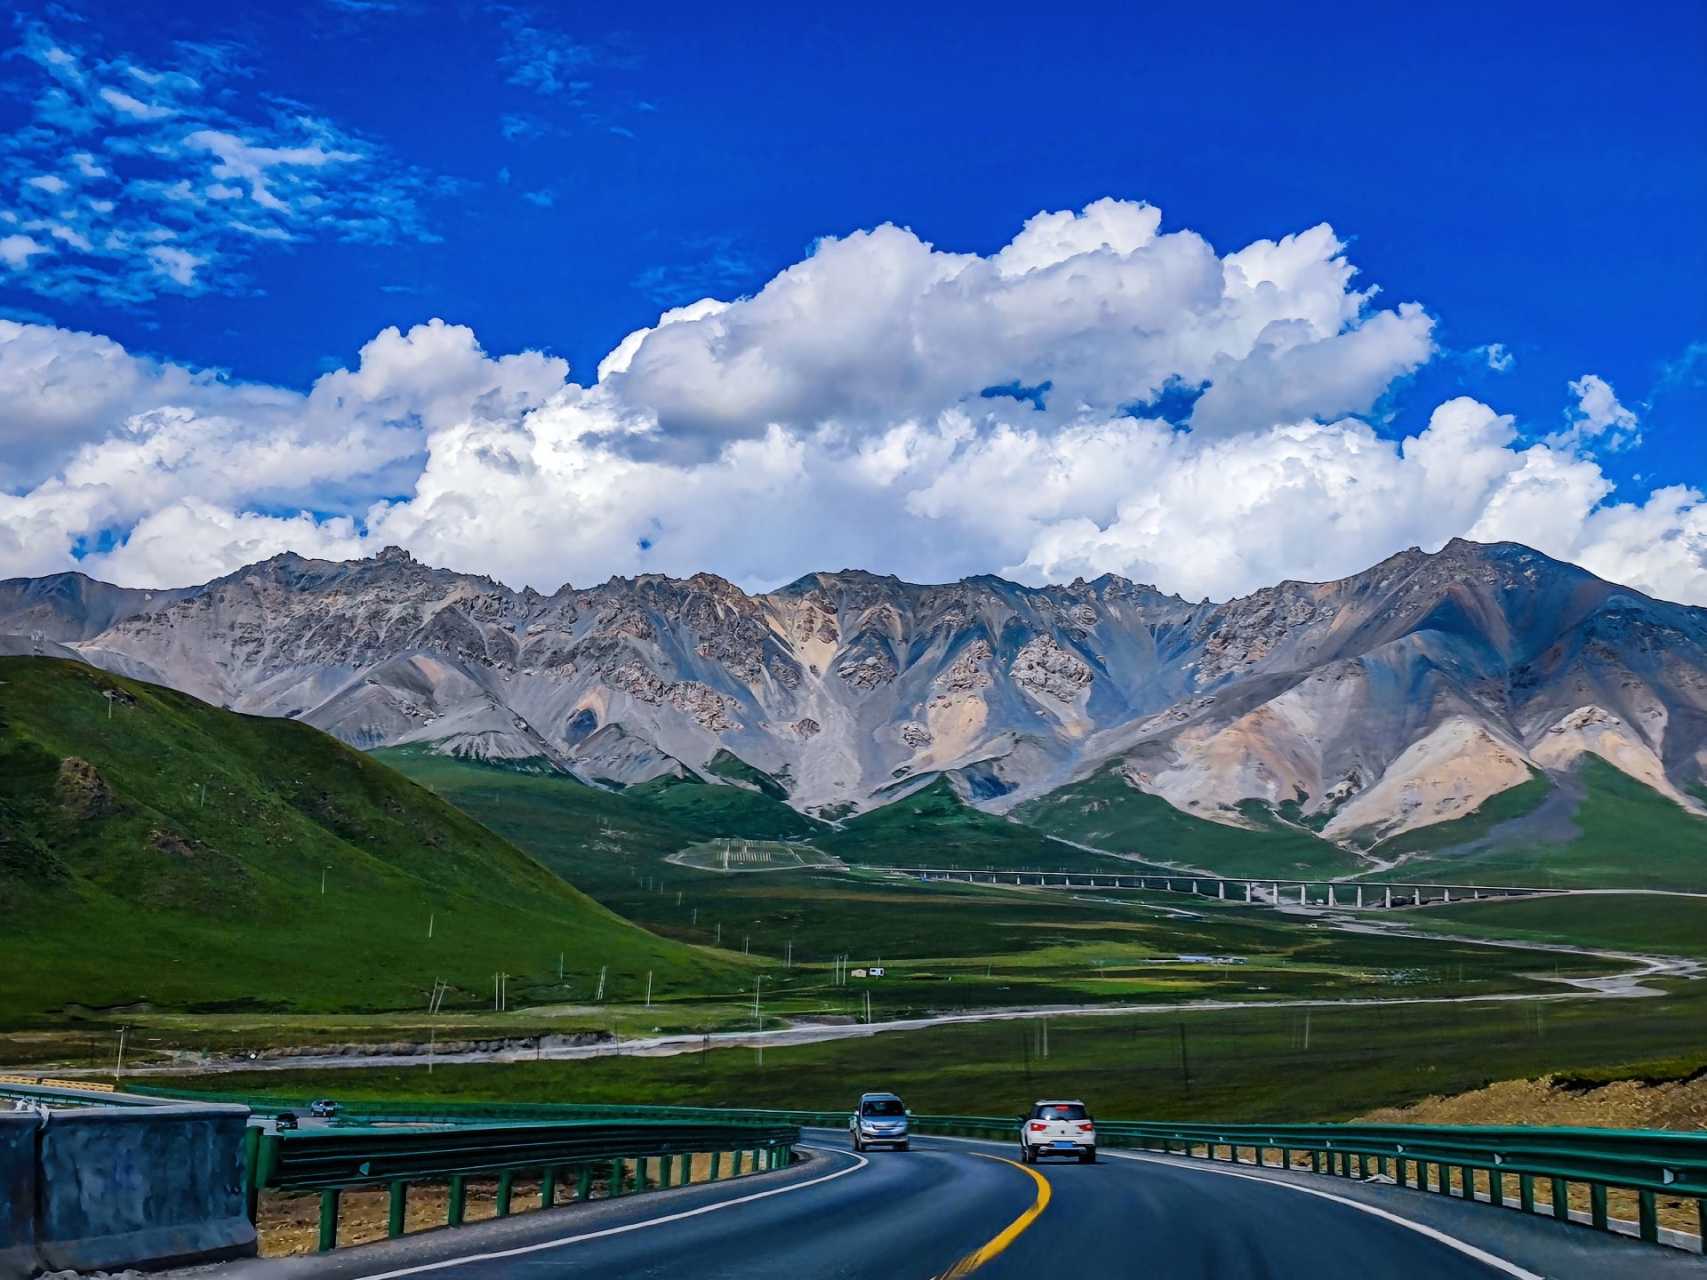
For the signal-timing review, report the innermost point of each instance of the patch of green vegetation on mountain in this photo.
(1630, 837)
(724, 810)
(163, 851)
(726, 764)
(1503, 806)
(1106, 812)
(934, 827)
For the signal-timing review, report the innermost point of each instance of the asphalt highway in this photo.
(961, 1208)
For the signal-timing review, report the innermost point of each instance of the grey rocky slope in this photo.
(1401, 696)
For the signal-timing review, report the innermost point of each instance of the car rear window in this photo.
(1062, 1111)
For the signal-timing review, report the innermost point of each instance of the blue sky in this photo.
(1534, 176)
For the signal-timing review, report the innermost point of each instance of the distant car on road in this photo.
(285, 1120)
(1058, 1129)
(323, 1107)
(880, 1120)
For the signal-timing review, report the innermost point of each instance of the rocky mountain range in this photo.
(1396, 698)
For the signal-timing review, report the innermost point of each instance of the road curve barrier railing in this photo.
(1502, 1165)
(1525, 1168)
(580, 1157)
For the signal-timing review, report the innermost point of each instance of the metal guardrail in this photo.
(72, 1093)
(1646, 1163)
(627, 1155)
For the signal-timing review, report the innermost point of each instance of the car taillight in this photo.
(1038, 1128)
(1087, 1128)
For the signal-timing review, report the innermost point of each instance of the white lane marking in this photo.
(632, 1226)
(1451, 1242)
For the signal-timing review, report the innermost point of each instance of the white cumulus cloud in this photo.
(1100, 395)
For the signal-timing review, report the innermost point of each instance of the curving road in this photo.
(959, 1208)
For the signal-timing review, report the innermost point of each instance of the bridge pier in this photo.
(1303, 901)
(1360, 897)
(1250, 889)
(1417, 898)
(1331, 893)
(1387, 900)
(1221, 889)
(1446, 895)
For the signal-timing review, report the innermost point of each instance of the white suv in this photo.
(1058, 1129)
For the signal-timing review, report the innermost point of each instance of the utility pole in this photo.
(601, 995)
(560, 966)
(649, 988)
(323, 871)
(118, 1071)
(1184, 1061)
(431, 915)
(789, 962)
(720, 933)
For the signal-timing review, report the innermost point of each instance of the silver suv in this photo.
(880, 1120)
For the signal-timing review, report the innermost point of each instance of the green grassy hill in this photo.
(933, 827)
(1106, 812)
(155, 849)
(1627, 836)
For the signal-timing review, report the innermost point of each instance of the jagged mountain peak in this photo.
(1453, 669)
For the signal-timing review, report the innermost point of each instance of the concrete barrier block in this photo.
(150, 1187)
(17, 1193)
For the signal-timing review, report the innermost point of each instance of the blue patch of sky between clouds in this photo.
(1015, 390)
(1172, 404)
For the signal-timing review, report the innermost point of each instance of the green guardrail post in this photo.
(1286, 1157)
(506, 1185)
(618, 1175)
(329, 1219)
(716, 1165)
(458, 1200)
(1315, 1162)
(687, 1168)
(1561, 1200)
(1597, 1205)
(758, 1157)
(396, 1211)
(640, 1174)
(1496, 1187)
(584, 1184)
(251, 1166)
(1647, 1217)
(666, 1168)
(548, 1186)
(737, 1158)
(1526, 1192)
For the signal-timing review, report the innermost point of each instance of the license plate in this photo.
(1063, 1144)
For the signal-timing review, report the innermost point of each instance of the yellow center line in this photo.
(978, 1257)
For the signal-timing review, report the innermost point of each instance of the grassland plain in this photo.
(952, 947)
(1648, 923)
(157, 851)
(1325, 1063)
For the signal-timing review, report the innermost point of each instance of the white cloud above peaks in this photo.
(1102, 394)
